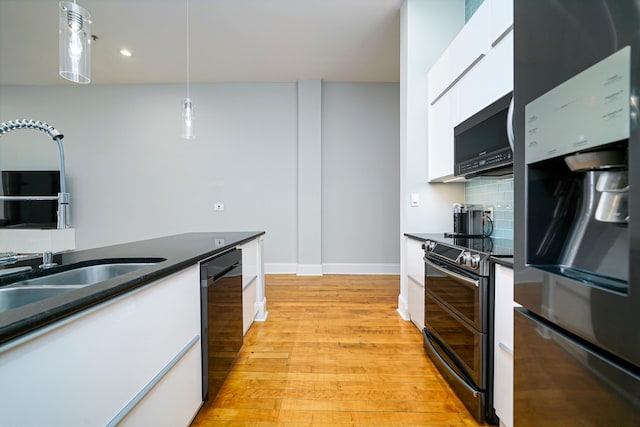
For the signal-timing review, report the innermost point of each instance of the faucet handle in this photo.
(47, 260)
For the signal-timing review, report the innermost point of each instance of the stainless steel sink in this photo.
(16, 297)
(36, 289)
(83, 276)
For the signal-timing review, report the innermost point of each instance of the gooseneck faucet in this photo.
(62, 197)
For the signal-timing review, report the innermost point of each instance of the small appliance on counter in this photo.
(467, 221)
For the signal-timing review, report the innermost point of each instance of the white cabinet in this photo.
(473, 72)
(440, 137)
(249, 284)
(503, 345)
(500, 19)
(415, 282)
(134, 359)
(489, 80)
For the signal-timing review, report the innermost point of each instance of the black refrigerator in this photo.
(577, 213)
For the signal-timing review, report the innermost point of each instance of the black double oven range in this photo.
(459, 313)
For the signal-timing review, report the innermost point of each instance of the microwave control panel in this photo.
(485, 161)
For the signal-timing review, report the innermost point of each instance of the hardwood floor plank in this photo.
(333, 352)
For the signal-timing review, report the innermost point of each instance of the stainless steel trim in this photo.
(450, 273)
(18, 198)
(505, 348)
(147, 388)
(14, 270)
(457, 79)
(510, 135)
(446, 365)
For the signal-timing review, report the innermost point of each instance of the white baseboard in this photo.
(309, 270)
(340, 268)
(280, 268)
(330, 268)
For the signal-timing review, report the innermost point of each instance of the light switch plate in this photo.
(415, 199)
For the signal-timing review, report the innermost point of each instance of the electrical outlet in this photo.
(218, 207)
(489, 212)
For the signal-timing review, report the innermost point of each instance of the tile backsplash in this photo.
(498, 194)
(470, 7)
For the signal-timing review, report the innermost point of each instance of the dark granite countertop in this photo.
(179, 252)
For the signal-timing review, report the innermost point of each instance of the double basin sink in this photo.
(36, 289)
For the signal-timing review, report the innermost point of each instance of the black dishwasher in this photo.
(221, 310)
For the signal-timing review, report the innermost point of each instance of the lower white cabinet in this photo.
(249, 283)
(415, 282)
(503, 345)
(135, 359)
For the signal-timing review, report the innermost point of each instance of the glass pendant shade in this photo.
(74, 27)
(187, 119)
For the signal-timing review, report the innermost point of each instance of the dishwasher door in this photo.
(221, 310)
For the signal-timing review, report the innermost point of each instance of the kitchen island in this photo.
(121, 351)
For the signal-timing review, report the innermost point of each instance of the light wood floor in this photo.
(333, 352)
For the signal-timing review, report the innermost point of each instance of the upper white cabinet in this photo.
(474, 71)
(500, 19)
(440, 136)
(490, 80)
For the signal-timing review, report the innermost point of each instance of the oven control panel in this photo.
(465, 258)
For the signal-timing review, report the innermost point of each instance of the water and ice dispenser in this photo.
(576, 155)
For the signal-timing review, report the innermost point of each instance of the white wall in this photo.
(426, 29)
(360, 167)
(131, 177)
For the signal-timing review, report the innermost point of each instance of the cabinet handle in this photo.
(502, 36)
(154, 381)
(505, 348)
(453, 83)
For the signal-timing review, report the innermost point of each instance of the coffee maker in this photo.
(467, 221)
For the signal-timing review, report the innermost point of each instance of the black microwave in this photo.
(481, 143)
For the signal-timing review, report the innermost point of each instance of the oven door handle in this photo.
(450, 273)
(446, 365)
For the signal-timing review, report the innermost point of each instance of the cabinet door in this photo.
(503, 345)
(488, 81)
(500, 19)
(249, 283)
(439, 76)
(415, 282)
(88, 368)
(440, 138)
(471, 43)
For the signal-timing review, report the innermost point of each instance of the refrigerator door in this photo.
(563, 382)
(553, 42)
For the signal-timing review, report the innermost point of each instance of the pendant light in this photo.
(187, 105)
(74, 28)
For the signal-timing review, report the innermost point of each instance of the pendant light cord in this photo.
(188, 56)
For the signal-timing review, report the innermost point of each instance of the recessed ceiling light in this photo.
(125, 52)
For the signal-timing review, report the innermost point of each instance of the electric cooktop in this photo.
(497, 247)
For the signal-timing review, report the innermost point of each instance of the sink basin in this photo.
(16, 297)
(38, 288)
(83, 276)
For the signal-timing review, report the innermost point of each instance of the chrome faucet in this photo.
(63, 197)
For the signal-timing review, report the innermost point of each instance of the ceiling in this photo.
(230, 41)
